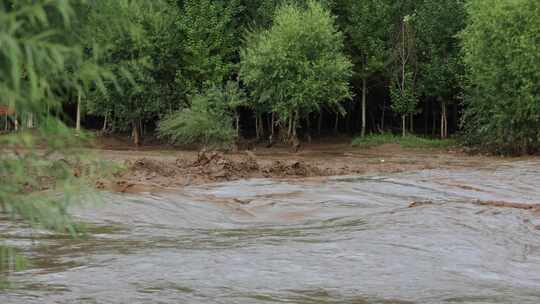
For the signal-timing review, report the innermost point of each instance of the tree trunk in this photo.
(269, 123)
(411, 123)
(237, 118)
(336, 125)
(30, 121)
(404, 125)
(319, 124)
(135, 133)
(78, 119)
(348, 122)
(295, 124)
(364, 93)
(104, 129)
(261, 126)
(257, 131)
(308, 129)
(382, 115)
(426, 116)
(272, 124)
(294, 139)
(434, 125)
(444, 121)
(289, 132)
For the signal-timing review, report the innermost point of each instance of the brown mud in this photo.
(158, 168)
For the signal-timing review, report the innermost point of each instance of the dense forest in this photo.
(216, 71)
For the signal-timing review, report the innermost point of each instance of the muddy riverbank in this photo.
(154, 169)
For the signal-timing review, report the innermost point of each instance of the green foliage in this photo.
(368, 27)
(437, 24)
(35, 57)
(209, 42)
(402, 94)
(256, 14)
(298, 64)
(134, 47)
(233, 95)
(501, 54)
(161, 52)
(408, 141)
(209, 119)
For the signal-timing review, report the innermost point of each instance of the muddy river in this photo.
(338, 240)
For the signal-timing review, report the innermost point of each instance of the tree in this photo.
(368, 26)
(500, 46)
(297, 65)
(437, 24)
(403, 97)
(402, 88)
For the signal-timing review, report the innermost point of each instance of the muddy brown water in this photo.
(338, 240)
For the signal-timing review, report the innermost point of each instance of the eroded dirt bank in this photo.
(157, 169)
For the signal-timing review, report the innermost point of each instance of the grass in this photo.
(408, 141)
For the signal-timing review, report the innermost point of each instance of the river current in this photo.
(340, 240)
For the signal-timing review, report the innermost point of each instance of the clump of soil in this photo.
(290, 169)
(215, 166)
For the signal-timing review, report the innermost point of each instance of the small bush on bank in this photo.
(408, 141)
(207, 122)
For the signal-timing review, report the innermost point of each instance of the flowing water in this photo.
(343, 240)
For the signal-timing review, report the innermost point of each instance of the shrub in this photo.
(208, 121)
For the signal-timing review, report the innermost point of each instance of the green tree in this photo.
(402, 87)
(403, 97)
(368, 27)
(501, 55)
(297, 65)
(437, 24)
